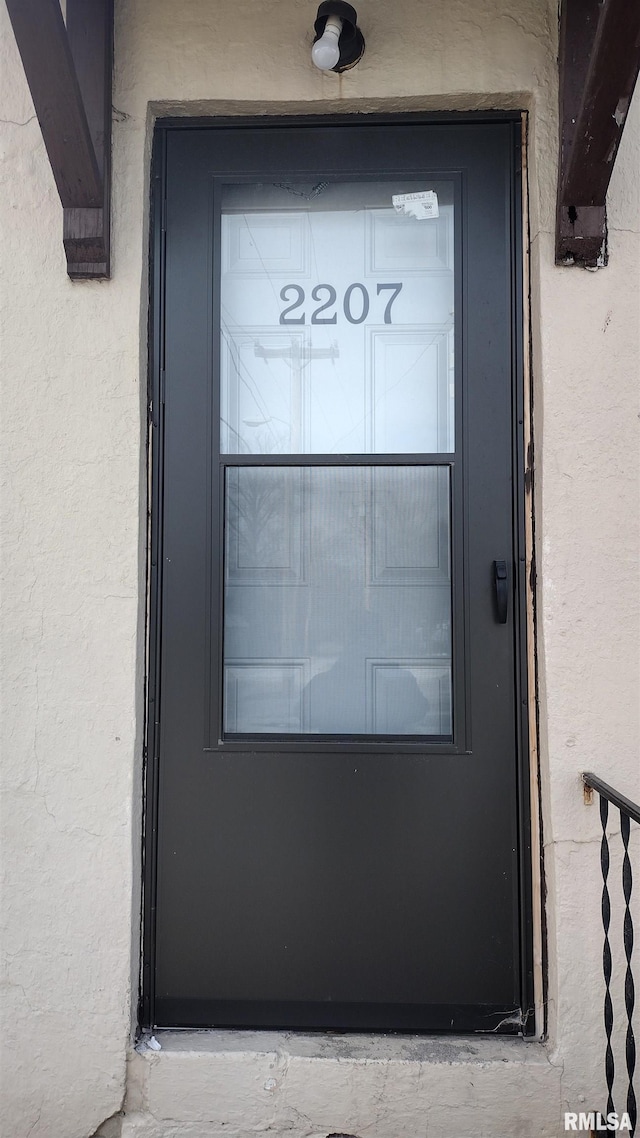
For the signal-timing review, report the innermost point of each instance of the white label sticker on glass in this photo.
(422, 205)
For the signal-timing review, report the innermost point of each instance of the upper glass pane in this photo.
(337, 318)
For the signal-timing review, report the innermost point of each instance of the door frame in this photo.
(521, 507)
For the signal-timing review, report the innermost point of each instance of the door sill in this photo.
(326, 1083)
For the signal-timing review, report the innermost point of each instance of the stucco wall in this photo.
(73, 528)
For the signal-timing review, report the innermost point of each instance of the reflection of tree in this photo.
(259, 507)
(265, 507)
(297, 544)
(268, 615)
(338, 523)
(266, 441)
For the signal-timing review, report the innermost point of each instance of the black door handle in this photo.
(502, 590)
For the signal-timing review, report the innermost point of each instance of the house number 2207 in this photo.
(355, 303)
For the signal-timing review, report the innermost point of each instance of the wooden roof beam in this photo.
(68, 69)
(599, 63)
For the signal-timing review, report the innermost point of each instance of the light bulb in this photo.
(325, 52)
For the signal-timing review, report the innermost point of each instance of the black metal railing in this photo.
(629, 811)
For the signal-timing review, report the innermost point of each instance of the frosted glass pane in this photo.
(337, 319)
(337, 614)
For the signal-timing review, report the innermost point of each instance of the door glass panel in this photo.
(337, 318)
(337, 614)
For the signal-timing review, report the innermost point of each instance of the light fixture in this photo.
(339, 43)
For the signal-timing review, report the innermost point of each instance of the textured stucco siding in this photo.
(73, 532)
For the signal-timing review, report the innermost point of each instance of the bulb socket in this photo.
(351, 42)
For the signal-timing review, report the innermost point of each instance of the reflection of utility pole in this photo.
(298, 356)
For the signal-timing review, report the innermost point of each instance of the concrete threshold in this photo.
(239, 1084)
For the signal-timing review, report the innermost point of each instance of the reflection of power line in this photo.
(297, 355)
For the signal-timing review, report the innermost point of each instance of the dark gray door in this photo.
(337, 825)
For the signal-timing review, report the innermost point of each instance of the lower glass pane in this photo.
(337, 612)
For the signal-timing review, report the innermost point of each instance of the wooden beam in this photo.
(599, 64)
(87, 231)
(611, 73)
(68, 69)
(42, 42)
